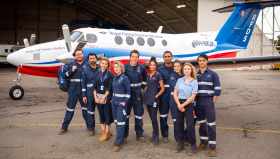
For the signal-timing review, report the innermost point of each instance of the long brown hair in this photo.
(193, 73)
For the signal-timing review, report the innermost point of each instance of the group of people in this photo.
(188, 94)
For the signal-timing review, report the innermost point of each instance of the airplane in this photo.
(221, 47)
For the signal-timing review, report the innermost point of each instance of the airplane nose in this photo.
(12, 58)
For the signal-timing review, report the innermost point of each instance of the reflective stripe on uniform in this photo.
(212, 142)
(211, 124)
(174, 120)
(90, 112)
(163, 115)
(70, 110)
(201, 121)
(75, 80)
(144, 83)
(90, 85)
(166, 85)
(135, 84)
(203, 138)
(138, 117)
(206, 83)
(83, 90)
(217, 88)
(120, 123)
(84, 108)
(121, 95)
(206, 91)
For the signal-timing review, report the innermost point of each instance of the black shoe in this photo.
(62, 131)
(155, 141)
(193, 150)
(165, 140)
(180, 147)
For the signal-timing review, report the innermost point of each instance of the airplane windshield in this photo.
(75, 35)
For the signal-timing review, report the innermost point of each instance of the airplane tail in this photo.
(237, 31)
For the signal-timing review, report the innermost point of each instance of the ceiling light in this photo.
(150, 11)
(180, 6)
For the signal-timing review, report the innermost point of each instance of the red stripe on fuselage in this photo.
(44, 71)
(51, 71)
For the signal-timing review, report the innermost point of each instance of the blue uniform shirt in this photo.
(208, 83)
(121, 89)
(137, 77)
(153, 87)
(173, 79)
(165, 73)
(74, 74)
(185, 90)
(89, 77)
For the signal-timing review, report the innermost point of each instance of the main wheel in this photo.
(16, 92)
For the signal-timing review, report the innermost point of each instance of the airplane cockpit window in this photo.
(129, 40)
(82, 38)
(164, 42)
(75, 35)
(151, 42)
(140, 41)
(91, 38)
(118, 40)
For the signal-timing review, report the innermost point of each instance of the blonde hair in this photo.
(120, 65)
(193, 73)
(105, 59)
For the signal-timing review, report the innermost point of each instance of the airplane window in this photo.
(6, 50)
(118, 40)
(140, 41)
(164, 42)
(75, 35)
(151, 42)
(91, 38)
(129, 40)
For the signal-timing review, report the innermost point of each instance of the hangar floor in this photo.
(247, 113)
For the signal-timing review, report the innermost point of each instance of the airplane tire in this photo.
(16, 92)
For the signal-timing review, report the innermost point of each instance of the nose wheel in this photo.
(17, 92)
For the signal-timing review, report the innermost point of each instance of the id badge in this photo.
(101, 87)
(155, 104)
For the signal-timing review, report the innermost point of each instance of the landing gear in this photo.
(17, 92)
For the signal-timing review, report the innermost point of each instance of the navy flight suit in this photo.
(137, 77)
(208, 86)
(164, 99)
(121, 95)
(74, 74)
(173, 106)
(89, 76)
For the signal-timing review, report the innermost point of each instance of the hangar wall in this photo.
(20, 18)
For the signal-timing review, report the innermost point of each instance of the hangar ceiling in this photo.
(176, 16)
(21, 18)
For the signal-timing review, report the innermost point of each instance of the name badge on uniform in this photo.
(155, 104)
(102, 87)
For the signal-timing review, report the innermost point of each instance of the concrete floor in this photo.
(247, 120)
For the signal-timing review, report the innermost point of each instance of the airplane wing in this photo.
(264, 3)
